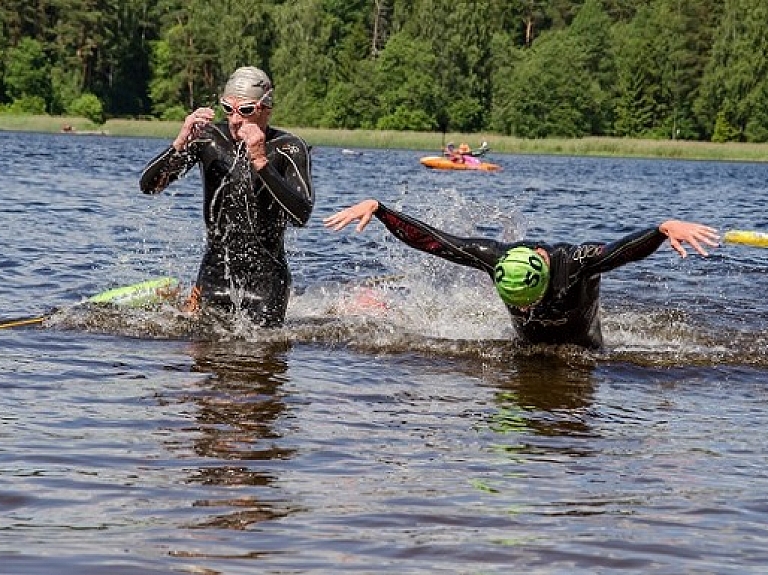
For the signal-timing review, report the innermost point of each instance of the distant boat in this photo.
(348, 152)
(442, 163)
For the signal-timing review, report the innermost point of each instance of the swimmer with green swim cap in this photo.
(521, 277)
(552, 292)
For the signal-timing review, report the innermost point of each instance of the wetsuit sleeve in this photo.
(289, 179)
(478, 253)
(166, 168)
(600, 258)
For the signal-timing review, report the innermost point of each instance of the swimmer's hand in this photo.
(255, 141)
(689, 232)
(363, 211)
(193, 125)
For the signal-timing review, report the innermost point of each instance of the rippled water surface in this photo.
(393, 425)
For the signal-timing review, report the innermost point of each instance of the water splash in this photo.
(383, 297)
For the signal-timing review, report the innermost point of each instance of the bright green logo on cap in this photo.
(521, 277)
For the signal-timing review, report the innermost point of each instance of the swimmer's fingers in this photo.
(192, 126)
(198, 119)
(338, 220)
(703, 235)
(691, 233)
(363, 212)
(678, 247)
(345, 217)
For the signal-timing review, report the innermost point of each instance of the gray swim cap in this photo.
(250, 83)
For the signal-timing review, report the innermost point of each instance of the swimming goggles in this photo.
(244, 110)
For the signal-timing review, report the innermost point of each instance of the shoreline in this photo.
(383, 139)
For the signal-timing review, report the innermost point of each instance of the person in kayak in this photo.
(256, 180)
(464, 154)
(452, 153)
(552, 292)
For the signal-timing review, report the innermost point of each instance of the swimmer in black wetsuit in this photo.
(256, 179)
(551, 291)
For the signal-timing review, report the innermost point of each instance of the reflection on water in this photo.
(237, 405)
(545, 395)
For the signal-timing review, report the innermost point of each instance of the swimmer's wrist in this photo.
(664, 227)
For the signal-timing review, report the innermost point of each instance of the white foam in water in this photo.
(465, 307)
(426, 295)
(655, 332)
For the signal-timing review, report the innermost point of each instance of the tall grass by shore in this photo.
(430, 141)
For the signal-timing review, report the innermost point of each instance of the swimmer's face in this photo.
(243, 111)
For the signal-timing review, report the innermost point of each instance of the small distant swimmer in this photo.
(552, 292)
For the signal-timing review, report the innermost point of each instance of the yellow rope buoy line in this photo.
(23, 322)
(746, 237)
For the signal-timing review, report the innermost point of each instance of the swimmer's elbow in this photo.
(151, 187)
(150, 191)
(301, 220)
(301, 213)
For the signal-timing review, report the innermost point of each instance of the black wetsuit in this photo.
(246, 212)
(569, 311)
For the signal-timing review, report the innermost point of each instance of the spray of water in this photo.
(388, 298)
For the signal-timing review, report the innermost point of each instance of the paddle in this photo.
(746, 237)
(135, 295)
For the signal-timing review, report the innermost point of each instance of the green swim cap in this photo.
(521, 277)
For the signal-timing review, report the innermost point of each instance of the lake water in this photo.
(410, 437)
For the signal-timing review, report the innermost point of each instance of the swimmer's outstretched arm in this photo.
(479, 253)
(362, 211)
(678, 232)
(598, 257)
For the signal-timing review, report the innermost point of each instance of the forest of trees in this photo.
(687, 69)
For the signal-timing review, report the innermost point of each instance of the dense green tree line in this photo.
(689, 69)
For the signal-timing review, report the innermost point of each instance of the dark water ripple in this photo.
(415, 437)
